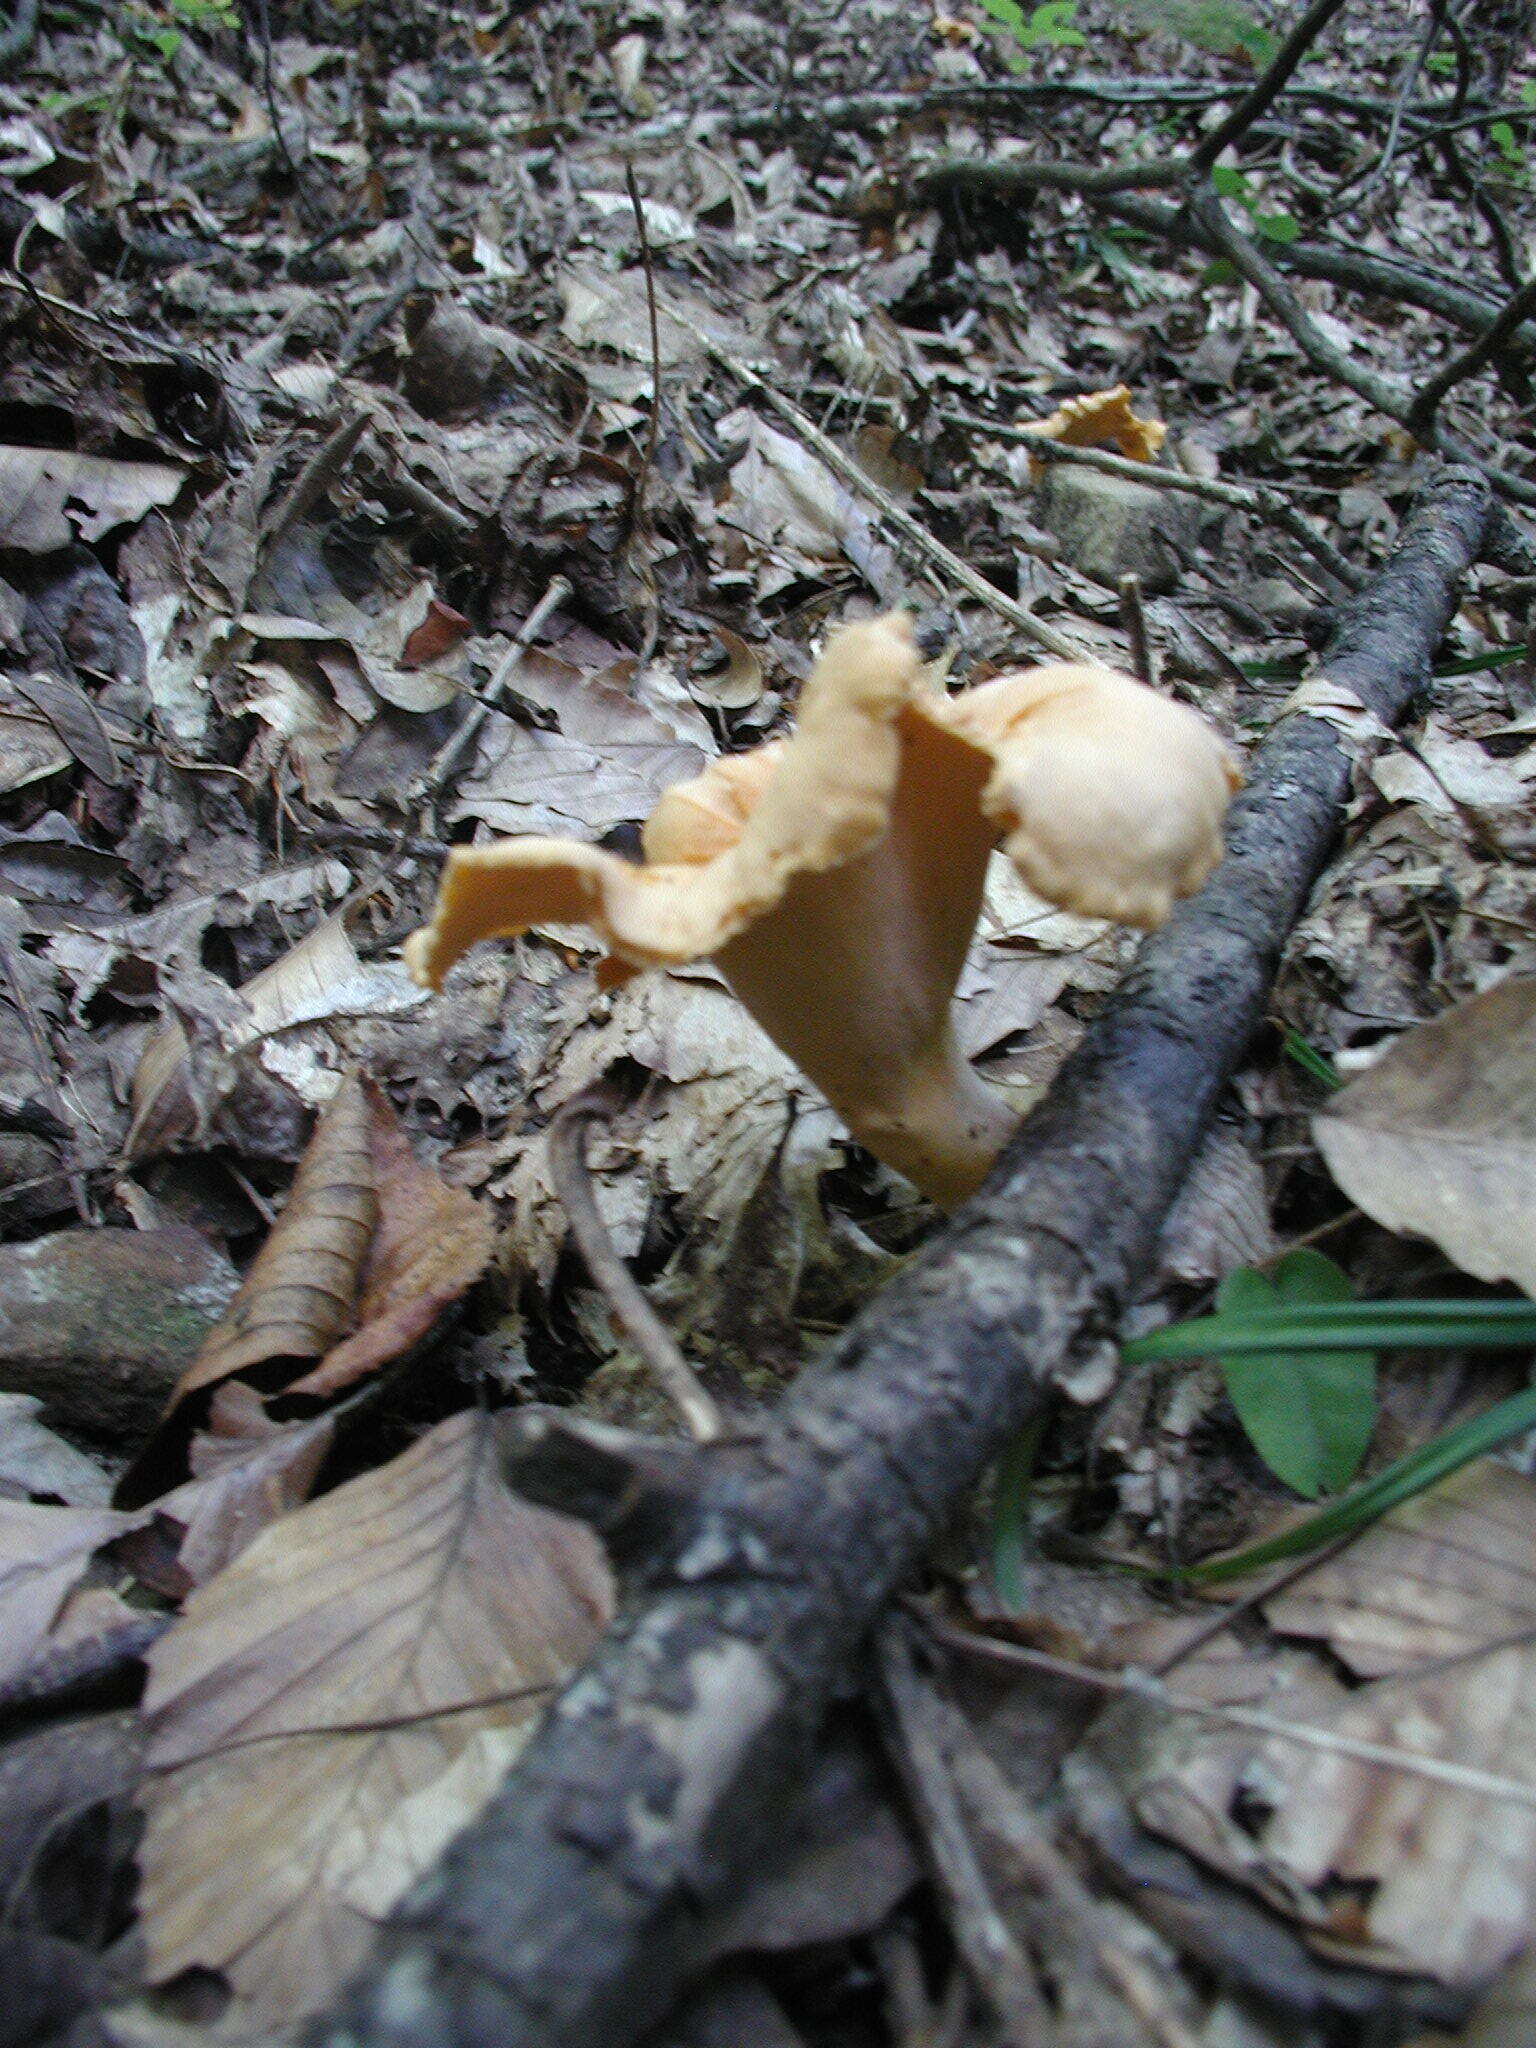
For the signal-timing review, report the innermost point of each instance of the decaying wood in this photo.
(563, 1917)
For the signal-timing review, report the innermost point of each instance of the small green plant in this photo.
(1299, 1356)
(1315, 1325)
(1308, 1414)
(1232, 183)
(164, 37)
(1219, 27)
(1403, 1480)
(1049, 24)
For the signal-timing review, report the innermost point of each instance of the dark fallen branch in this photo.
(567, 1915)
(1383, 277)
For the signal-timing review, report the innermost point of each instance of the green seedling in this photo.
(1232, 183)
(1048, 25)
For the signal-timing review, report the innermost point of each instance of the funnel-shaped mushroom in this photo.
(836, 877)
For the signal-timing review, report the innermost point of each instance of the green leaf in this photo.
(1277, 227)
(1477, 1325)
(1008, 12)
(1442, 63)
(1229, 181)
(1308, 1414)
(1528, 93)
(1051, 23)
(1508, 143)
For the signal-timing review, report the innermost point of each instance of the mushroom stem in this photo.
(937, 1122)
(853, 973)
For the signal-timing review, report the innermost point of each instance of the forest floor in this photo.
(430, 423)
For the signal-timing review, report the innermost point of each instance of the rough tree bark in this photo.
(565, 1916)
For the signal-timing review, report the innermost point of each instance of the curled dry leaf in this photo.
(299, 1295)
(314, 1738)
(369, 1249)
(1439, 1136)
(431, 1242)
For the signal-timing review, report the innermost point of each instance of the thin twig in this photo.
(1266, 89)
(648, 453)
(1287, 308)
(1368, 179)
(894, 515)
(311, 484)
(1259, 499)
(1133, 618)
(449, 758)
(1144, 1685)
(999, 1966)
(1421, 414)
(696, 1408)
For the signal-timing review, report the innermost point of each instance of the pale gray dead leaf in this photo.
(305, 1762)
(152, 940)
(608, 762)
(44, 1552)
(788, 501)
(34, 1460)
(50, 497)
(610, 310)
(281, 1015)
(74, 718)
(30, 746)
(1220, 1220)
(665, 226)
(1444, 771)
(1439, 1136)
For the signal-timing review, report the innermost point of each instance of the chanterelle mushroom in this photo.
(836, 876)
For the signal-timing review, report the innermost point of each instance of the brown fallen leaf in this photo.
(342, 1700)
(247, 1470)
(1383, 1863)
(301, 1292)
(368, 1251)
(431, 1242)
(1439, 1136)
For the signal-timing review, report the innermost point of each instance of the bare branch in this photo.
(1266, 89)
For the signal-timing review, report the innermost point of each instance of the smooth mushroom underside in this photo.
(836, 877)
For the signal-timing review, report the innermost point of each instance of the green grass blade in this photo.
(1326, 1326)
(1388, 1489)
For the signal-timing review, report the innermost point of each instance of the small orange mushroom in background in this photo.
(836, 877)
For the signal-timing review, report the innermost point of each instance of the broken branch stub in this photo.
(564, 1916)
(837, 876)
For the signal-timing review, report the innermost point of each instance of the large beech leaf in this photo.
(1439, 1136)
(339, 1702)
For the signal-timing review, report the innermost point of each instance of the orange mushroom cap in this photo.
(837, 876)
